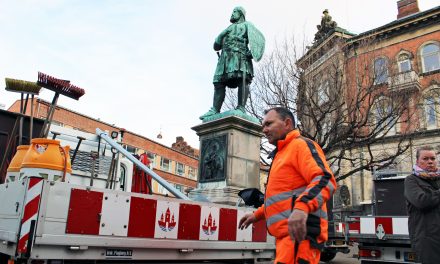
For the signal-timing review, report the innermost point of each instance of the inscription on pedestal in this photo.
(213, 159)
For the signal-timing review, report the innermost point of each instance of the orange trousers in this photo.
(285, 252)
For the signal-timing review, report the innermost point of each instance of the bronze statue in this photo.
(326, 21)
(234, 66)
(327, 25)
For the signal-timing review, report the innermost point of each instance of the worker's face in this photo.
(235, 16)
(275, 128)
(427, 160)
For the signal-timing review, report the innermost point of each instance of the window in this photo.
(151, 157)
(323, 92)
(56, 123)
(192, 173)
(161, 190)
(404, 63)
(130, 149)
(326, 126)
(180, 169)
(430, 112)
(165, 164)
(382, 116)
(380, 71)
(385, 121)
(430, 57)
(122, 177)
(429, 107)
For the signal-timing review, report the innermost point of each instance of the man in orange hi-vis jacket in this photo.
(298, 186)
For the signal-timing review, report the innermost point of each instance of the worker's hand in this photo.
(246, 220)
(296, 225)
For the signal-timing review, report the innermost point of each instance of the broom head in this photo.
(20, 86)
(60, 86)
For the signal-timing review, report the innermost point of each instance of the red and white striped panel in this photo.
(355, 226)
(339, 227)
(110, 214)
(391, 225)
(30, 212)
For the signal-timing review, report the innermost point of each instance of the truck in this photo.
(90, 215)
(85, 218)
(380, 229)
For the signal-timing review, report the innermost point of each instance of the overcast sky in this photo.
(148, 65)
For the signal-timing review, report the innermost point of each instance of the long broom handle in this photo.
(8, 146)
(46, 125)
(31, 125)
(20, 128)
(22, 112)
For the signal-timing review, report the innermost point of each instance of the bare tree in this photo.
(345, 101)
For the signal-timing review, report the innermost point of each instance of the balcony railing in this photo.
(404, 81)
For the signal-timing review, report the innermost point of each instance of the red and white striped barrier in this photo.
(369, 225)
(30, 212)
(112, 214)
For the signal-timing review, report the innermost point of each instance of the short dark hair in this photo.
(282, 112)
(422, 148)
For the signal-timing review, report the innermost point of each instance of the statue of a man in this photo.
(327, 24)
(234, 66)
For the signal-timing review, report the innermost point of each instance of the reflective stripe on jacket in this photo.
(299, 178)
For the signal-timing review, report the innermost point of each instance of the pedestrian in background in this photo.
(422, 192)
(299, 184)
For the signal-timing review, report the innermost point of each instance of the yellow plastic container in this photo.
(13, 171)
(17, 160)
(46, 157)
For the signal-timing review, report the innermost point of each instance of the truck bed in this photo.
(80, 222)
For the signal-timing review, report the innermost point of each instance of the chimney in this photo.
(407, 7)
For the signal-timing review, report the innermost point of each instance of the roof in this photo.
(114, 126)
(330, 33)
(344, 31)
(397, 22)
(337, 33)
(352, 37)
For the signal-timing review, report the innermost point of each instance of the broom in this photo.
(28, 88)
(59, 87)
(22, 87)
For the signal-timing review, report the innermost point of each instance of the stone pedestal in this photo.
(229, 158)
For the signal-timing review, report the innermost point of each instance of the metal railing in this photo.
(140, 165)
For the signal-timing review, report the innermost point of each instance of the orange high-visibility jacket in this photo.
(299, 178)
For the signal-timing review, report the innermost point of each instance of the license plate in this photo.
(339, 242)
(119, 253)
(410, 256)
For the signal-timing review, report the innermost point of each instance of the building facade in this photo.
(176, 165)
(386, 82)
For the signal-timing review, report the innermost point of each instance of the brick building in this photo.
(400, 59)
(177, 165)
